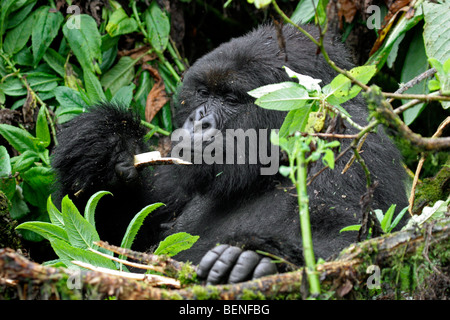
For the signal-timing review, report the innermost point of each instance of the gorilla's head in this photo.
(217, 114)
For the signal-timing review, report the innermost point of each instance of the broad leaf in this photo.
(45, 29)
(81, 233)
(119, 23)
(120, 75)
(176, 243)
(85, 42)
(158, 26)
(54, 214)
(20, 139)
(284, 99)
(42, 131)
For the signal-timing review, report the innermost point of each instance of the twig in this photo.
(423, 156)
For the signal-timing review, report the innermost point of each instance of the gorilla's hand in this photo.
(228, 264)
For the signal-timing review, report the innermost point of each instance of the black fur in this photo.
(228, 204)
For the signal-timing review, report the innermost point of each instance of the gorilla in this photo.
(233, 207)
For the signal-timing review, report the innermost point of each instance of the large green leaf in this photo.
(45, 29)
(85, 42)
(119, 76)
(20, 139)
(16, 38)
(81, 233)
(305, 11)
(158, 26)
(93, 87)
(68, 253)
(45, 229)
(5, 164)
(42, 131)
(284, 99)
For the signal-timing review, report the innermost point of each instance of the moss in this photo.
(187, 274)
(205, 293)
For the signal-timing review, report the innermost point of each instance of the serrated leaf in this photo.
(93, 87)
(89, 210)
(81, 233)
(120, 75)
(20, 139)
(261, 91)
(296, 120)
(54, 214)
(136, 224)
(158, 26)
(68, 253)
(340, 89)
(45, 229)
(44, 30)
(17, 38)
(85, 42)
(176, 243)
(284, 99)
(124, 95)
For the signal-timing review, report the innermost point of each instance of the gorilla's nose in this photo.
(200, 121)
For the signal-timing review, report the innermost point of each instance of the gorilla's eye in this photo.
(232, 100)
(203, 92)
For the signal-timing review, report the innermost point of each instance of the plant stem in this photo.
(303, 203)
(152, 126)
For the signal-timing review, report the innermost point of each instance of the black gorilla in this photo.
(232, 205)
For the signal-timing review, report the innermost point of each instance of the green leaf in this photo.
(68, 97)
(38, 81)
(176, 243)
(85, 42)
(387, 219)
(296, 120)
(309, 83)
(354, 227)
(68, 253)
(89, 210)
(6, 6)
(136, 224)
(415, 64)
(93, 87)
(18, 37)
(340, 89)
(124, 95)
(20, 139)
(120, 75)
(328, 158)
(284, 99)
(55, 61)
(54, 214)
(81, 233)
(261, 91)
(119, 23)
(158, 27)
(397, 219)
(45, 229)
(45, 29)
(5, 162)
(305, 11)
(42, 131)
(18, 16)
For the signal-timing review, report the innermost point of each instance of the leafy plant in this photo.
(71, 235)
(386, 223)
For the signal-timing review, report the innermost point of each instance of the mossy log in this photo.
(407, 261)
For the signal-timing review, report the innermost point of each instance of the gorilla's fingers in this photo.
(223, 265)
(244, 267)
(209, 259)
(264, 268)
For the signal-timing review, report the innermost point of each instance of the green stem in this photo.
(303, 203)
(153, 127)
